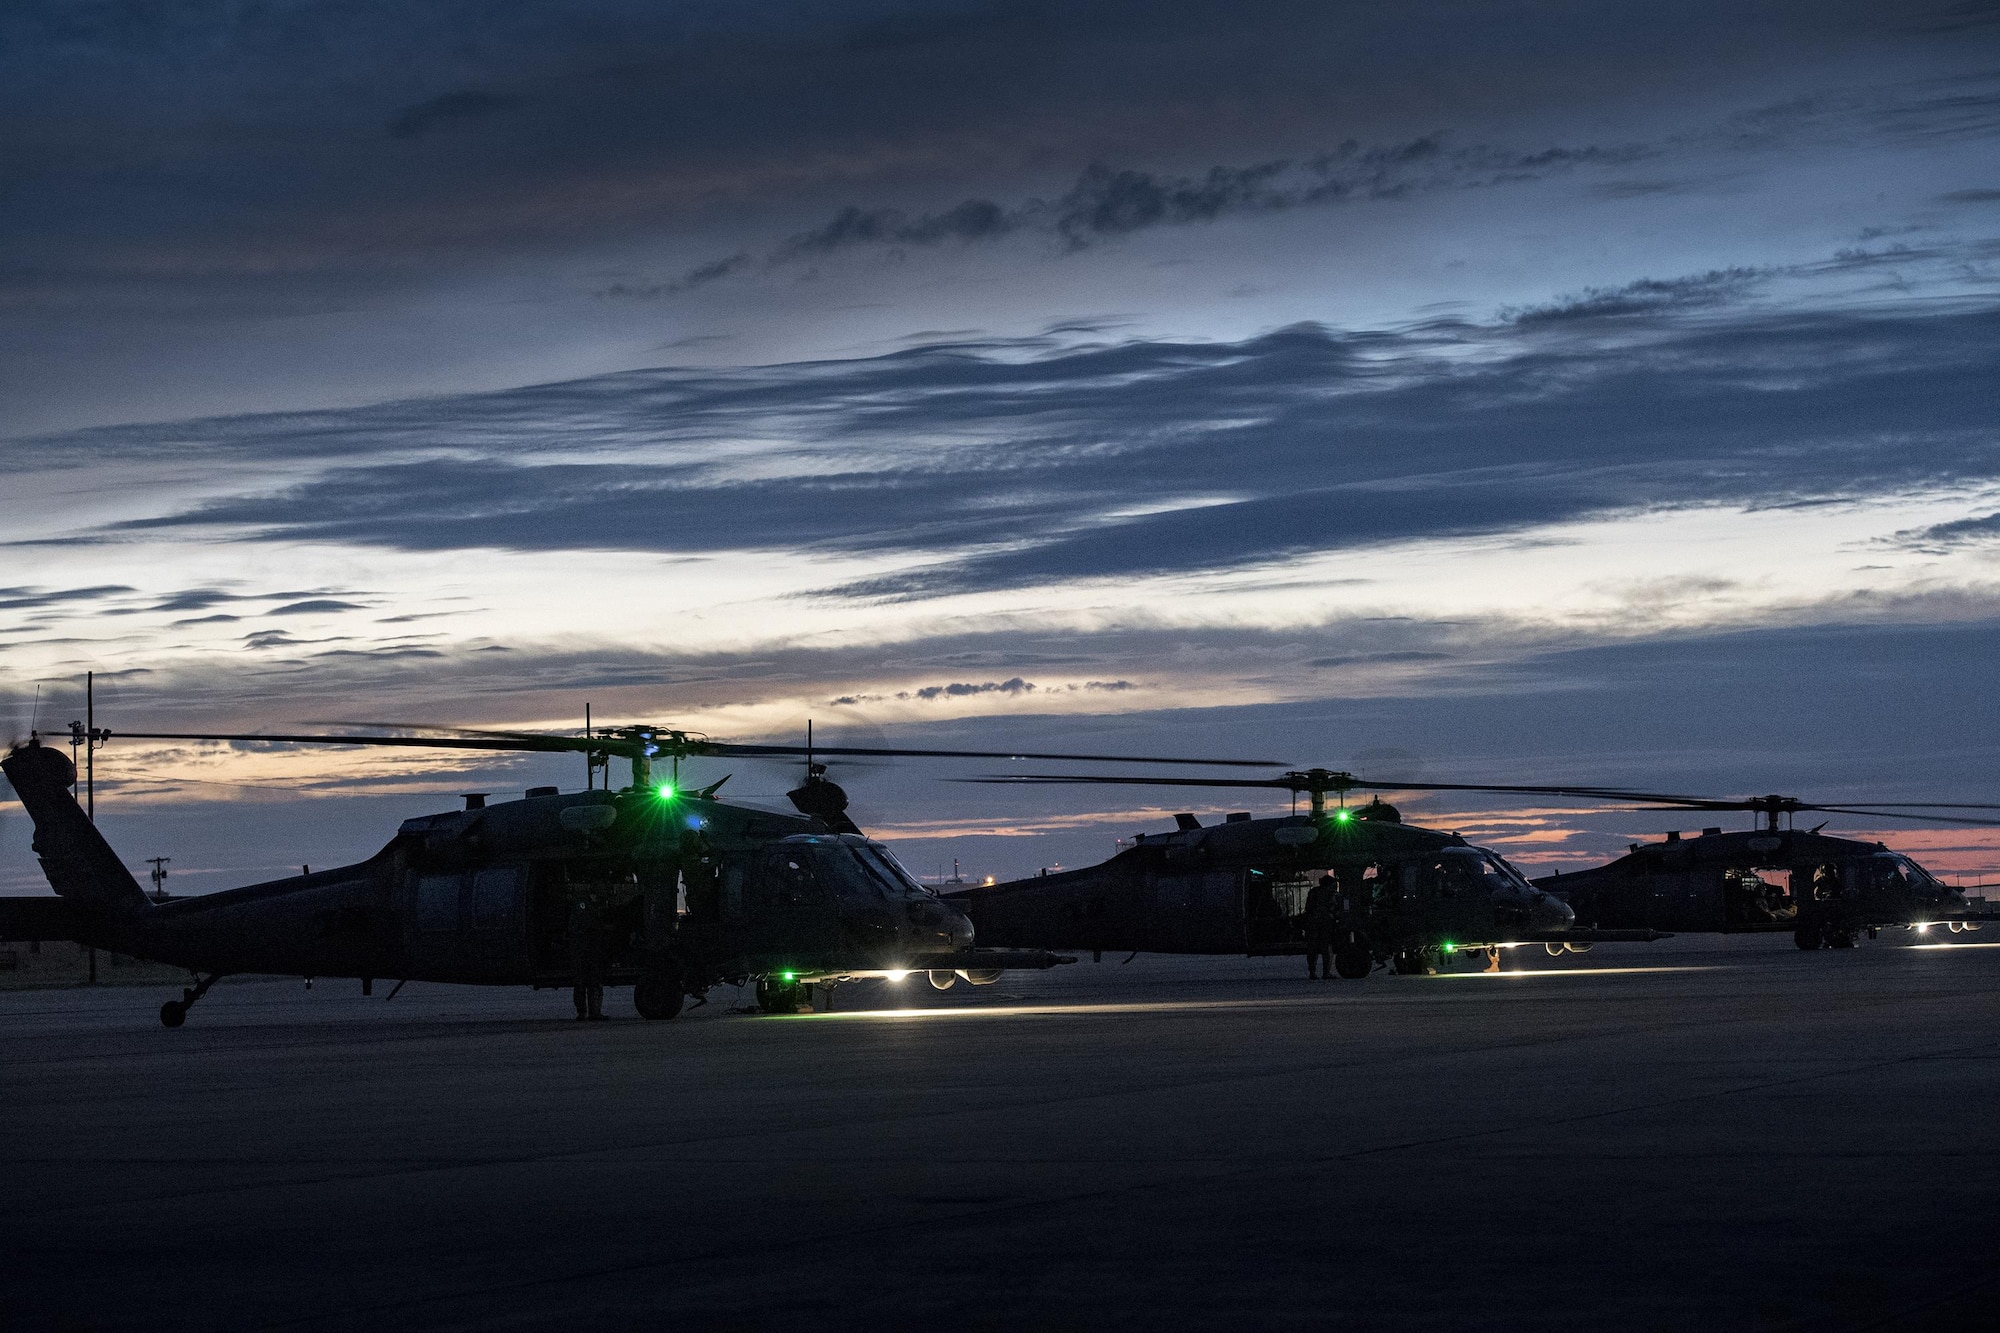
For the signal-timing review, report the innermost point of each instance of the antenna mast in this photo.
(86, 736)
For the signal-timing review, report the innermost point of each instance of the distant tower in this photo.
(159, 864)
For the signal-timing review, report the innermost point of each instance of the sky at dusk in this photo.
(1524, 392)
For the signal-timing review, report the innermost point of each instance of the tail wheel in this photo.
(1353, 961)
(1807, 937)
(1410, 963)
(173, 1013)
(1840, 939)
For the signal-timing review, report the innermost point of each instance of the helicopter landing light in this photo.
(1923, 927)
(894, 976)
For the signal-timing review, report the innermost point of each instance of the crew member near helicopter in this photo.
(586, 950)
(1320, 902)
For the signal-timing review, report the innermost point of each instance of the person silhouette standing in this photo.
(1319, 929)
(586, 952)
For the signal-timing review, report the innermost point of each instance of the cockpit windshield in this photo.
(859, 872)
(883, 863)
(1501, 866)
(1888, 867)
(1477, 868)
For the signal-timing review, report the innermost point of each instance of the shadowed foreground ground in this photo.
(1751, 1137)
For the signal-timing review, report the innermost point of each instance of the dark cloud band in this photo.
(1022, 463)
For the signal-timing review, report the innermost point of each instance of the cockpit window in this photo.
(857, 872)
(840, 871)
(1890, 867)
(1470, 870)
(1497, 864)
(883, 864)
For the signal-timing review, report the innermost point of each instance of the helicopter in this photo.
(1825, 890)
(1409, 898)
(695, 891)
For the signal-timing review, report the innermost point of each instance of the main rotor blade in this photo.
(730, 749)
(1893, 814)
(669, 738)
(525, 742)
(1289, 783)
(1920, 805)
(534, 742)
(1652, 799)
(1052, 779)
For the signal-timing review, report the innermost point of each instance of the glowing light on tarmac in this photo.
(1202, 1006)
(1983, 944)
(1059, 1010)
(1581, 971)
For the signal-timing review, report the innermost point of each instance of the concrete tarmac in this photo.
(1711, 1134)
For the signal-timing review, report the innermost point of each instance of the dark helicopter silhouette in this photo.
(693, 891)
(1824, 889)
(1409, 897)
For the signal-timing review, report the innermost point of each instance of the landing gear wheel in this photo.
(1807, 937)
(1840, 939)
(778, 997)
(1353, 962)
(174, 1012)
(1410, 963)
(658, 997)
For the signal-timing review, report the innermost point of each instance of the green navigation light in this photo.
(1343, 816)
(1449, 947)
(788, 976)
(666, 791)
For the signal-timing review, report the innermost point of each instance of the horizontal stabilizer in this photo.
(40, 919)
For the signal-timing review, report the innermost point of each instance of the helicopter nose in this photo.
(938, 924)
(1552, 913)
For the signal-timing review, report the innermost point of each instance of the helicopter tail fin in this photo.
(78, 861)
